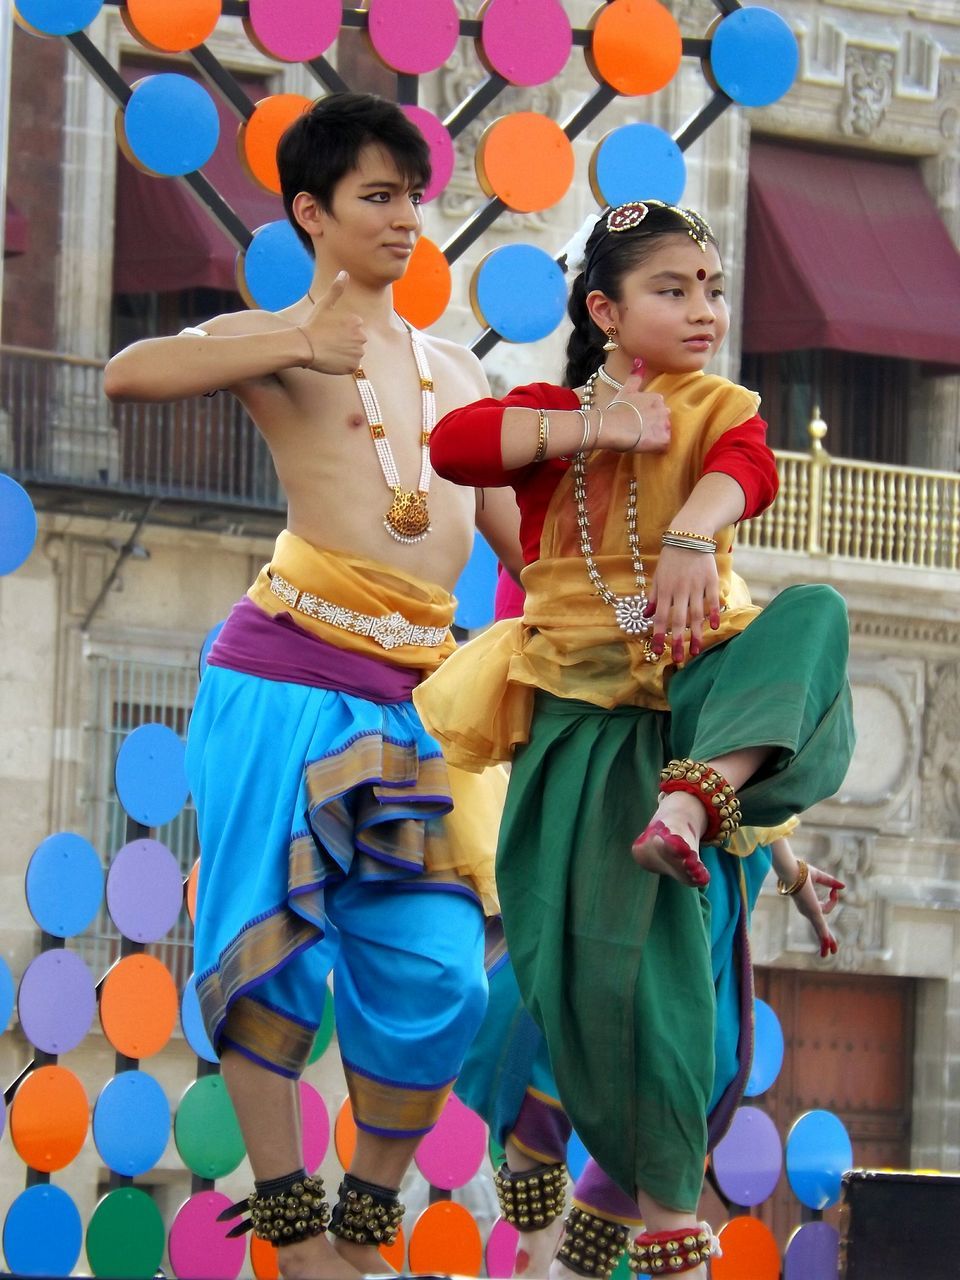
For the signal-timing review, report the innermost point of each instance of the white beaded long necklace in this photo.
(628, 609)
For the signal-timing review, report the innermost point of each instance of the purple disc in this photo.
(144, 890)
(748, 1161)
(57, 1001)
(813, 1252)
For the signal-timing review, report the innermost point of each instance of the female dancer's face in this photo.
(672, 313)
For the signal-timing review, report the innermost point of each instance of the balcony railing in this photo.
(57, 428)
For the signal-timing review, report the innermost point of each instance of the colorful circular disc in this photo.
(395, 1254)
(7, 995)
(749, 1249)
(291, 30)
(275, 269)
(754, 56)
(264, 1259)
(445, 1238)
(259, 135)
(42, 1233)
(49, 1117)
(64, 884)
(452, 1152)
(500, 1255)
(206, 1130)
(316, 1126)
(636, 46)
(413, 48)
(150, 776)
(345, 1134)
(205, 651)
(144, 890)
(321, 1041)
(138, 1006)
(441, 147)
(526, 160)
(423, 291)
(812, 1251)
(577, 1155)
(126, 1236)
(818, 1153)
(526, 41)
(56, 17)
(519, 292)
(191, 1020)
(172, 26)
(767, 1049)
(748, 1159)
(56, 1001)
(199, 1247)
(131, 1123)
(476, 587)
(18, 525)
(169, 125)
(637, 162)
(190, 891)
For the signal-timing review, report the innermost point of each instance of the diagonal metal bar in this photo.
(103, 70)
(480, 98)
(223, 80)
(702, 121)
(327, 74)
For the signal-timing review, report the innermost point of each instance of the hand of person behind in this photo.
(336, 336)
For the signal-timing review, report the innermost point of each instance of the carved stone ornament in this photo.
(940, 769)
(867, 90)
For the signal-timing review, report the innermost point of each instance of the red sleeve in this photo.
(465, 444)
(743, 454)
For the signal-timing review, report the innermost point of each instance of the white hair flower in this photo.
(575, 250)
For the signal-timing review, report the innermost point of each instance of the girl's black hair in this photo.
(323, 145)
(610, 256)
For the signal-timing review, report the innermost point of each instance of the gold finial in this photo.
(817, 428)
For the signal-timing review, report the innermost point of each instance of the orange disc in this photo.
(49, 1118)
(527, 160)
(345, 1134)
(446, 1239)
(394, 1254)
(749, 1249)
(258, 136)
(264, 1259)
(422, 293)
(171, 26)
(636, 46)
(138, 1006)
(191, 891)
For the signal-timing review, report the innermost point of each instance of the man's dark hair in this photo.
(324, 144)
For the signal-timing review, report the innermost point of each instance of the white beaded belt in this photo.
(388, 632)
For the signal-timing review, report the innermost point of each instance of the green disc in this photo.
(496, 1152)
(206, 1130)
(125, 1237)
(324, 1031)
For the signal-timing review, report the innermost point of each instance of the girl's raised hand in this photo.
(621, 426)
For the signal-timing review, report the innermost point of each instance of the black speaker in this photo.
(899, 1225)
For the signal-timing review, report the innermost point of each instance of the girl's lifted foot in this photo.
(669, 845)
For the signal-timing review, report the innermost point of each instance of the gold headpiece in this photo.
(628, 216)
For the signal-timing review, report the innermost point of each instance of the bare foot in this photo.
(314, 1258)
(559, 1271)
(536, 1249)
(365, 1258)
(669, 846)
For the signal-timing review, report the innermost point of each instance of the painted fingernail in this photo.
(694, 648)
(638, 365)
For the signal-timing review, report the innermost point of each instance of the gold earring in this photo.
(611, 344)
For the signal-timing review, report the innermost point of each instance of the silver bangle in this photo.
(639, 417)
(596, 443)
(687, 543)
(586, 430)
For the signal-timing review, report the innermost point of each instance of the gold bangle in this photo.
(788, 890)
(543, 436)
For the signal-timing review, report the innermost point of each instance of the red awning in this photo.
(16, 233)
(848, 254)
(165, 239)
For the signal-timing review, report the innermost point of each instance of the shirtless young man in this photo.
(320, 797)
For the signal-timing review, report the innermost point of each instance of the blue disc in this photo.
(42, 1234)
(150, 776)
(275, 269)
(519, 292)
(476, 587)
(819, 1152)
(577, 1155)
(754, 56)
(637, 162)
(170, 124)
(208, 645)
(7, 995)
(767, 1049)
(58, 17)
(18, 525)
(195, 1033)
(131, 1123)
(64, 884)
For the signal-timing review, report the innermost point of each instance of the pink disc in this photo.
(454, 1149)
(291, 30)
(316, 1126)
(526, 41)
(199, 1248)
(413, 48)
(501, 1254)
(441, 147)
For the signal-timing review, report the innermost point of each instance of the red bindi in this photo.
(701, 274)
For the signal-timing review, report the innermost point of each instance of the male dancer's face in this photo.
(374, 222)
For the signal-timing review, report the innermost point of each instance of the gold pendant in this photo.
(408, 519)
